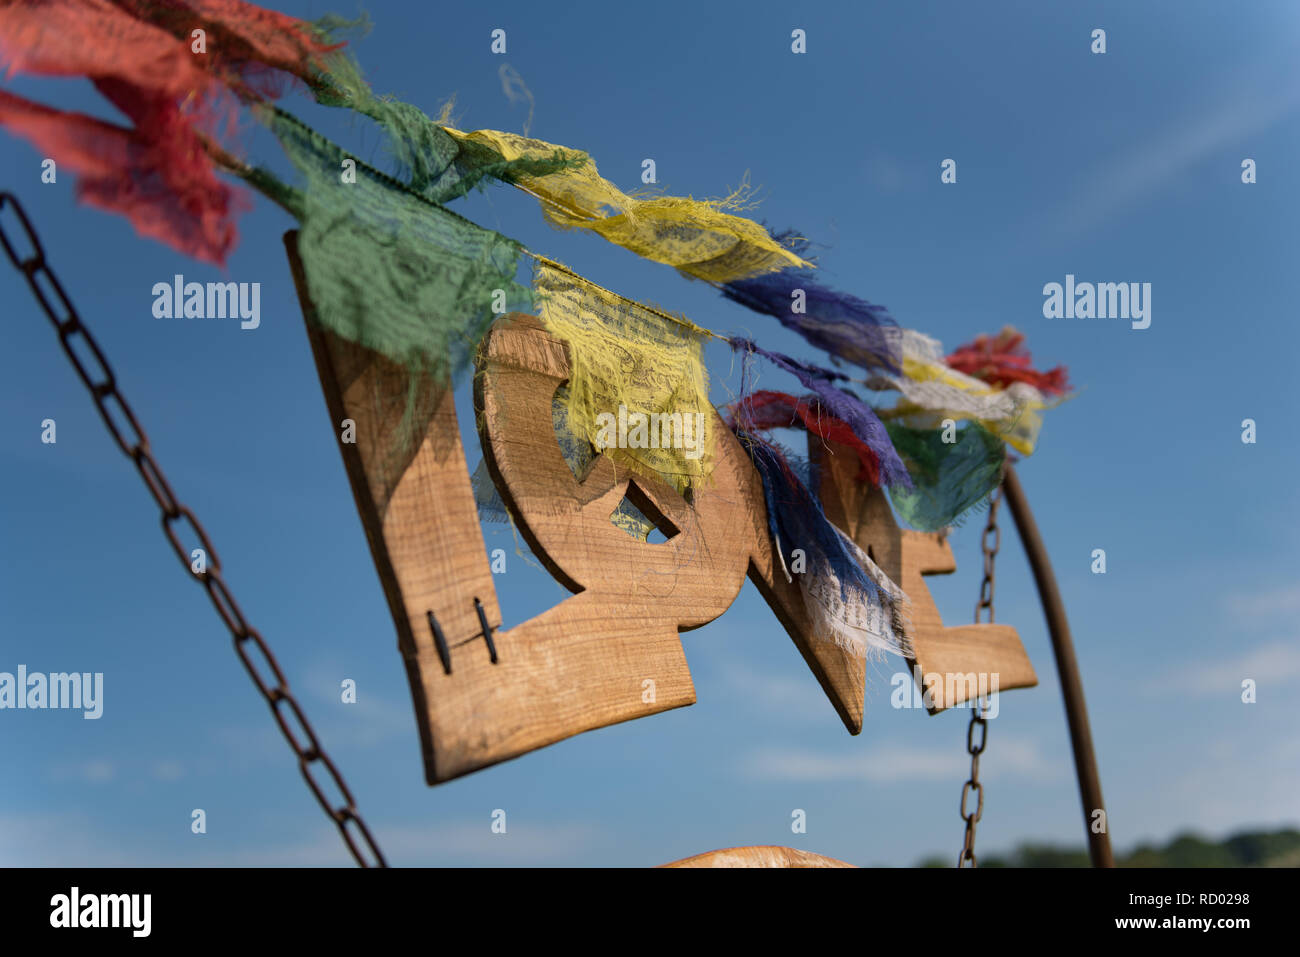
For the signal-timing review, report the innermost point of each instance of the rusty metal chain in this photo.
(131, 439)
(978, 721)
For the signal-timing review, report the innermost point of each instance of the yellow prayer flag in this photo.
(698, 237)
(638, 390)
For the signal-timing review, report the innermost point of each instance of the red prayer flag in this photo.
(1002, 359)
(156, 175)
(767, 409)
(142, 55)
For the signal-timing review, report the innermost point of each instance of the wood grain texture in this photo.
(412, 490)
(669, 587)
(950, 660)
(610, 653)
(761, 856)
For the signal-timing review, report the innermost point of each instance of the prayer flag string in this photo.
(389, 267)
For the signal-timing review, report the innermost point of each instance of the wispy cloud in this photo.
(96, 770)
(886, 173)
(1271, 664)
(1156, 161)
(796, 697)
(1242, 788)
(458, 844)
(462, 843)
(167, 771)
(73, 839)
(1266, 604)
(890, 764)
(371, 719)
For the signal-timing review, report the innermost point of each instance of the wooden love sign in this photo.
(485, 693)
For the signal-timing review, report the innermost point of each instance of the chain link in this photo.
(989, 544)
(131, 439)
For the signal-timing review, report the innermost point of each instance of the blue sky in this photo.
(1116, 167)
